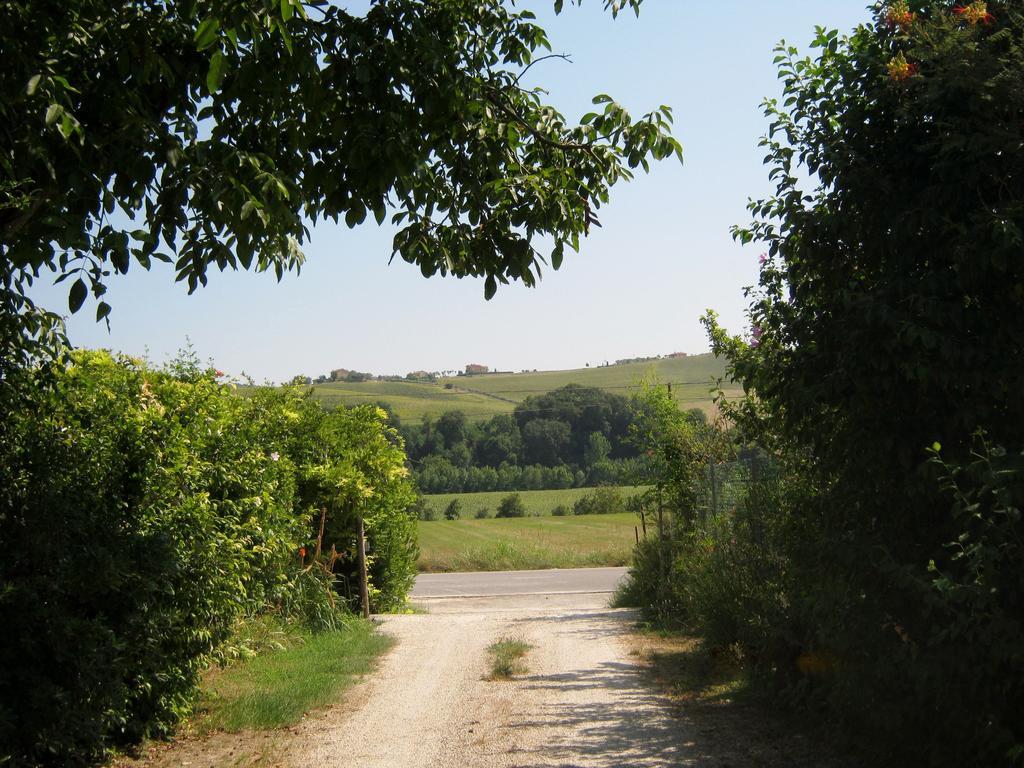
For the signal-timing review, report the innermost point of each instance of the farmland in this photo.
(482, 396)
(526, 543)
(537, 503)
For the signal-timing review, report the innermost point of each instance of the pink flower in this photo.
(762, 259)
(218, 374)
(755, 336)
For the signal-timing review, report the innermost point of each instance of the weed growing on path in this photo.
(506, 658)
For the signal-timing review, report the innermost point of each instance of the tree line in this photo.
(571, 437)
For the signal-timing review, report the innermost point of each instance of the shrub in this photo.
(890, 317)
(603, 500)
(561, 510)
(454, 510)
(483, 513)
(511, 506)
(143, 515)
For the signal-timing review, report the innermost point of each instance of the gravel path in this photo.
(583, 701)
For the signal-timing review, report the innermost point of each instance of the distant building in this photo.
(473, 369)
(340, 374)
(676, 355)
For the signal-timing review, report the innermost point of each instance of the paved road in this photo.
(486, 584)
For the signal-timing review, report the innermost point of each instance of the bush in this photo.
(454, 510)
(511, 506)
(561, 510)
(603, 500)
(483, 513)
(890, 318)
(143, 515)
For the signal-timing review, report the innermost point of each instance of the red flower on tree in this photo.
(974, 13)
(898, 15)
(302, 552)
(900, 69)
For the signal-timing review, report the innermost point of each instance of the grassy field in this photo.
(411, 400)
(536, 502)
(526, 543)
(276, 687)
(480, 397)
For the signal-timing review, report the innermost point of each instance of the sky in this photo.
(639, 285)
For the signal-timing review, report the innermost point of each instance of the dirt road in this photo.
(583, 701)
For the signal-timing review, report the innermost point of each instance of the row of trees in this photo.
(145, 512)
(569, 437)
(876, 571)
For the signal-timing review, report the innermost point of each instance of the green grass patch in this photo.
(537, 503)
(526, 543)
(507, 659)
(302, 672)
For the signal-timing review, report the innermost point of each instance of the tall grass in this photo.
(276, 687)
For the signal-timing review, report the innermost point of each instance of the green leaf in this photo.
(286, 9)
(33, 84)
(490, 287)
(380, 213)
(355, 215)
(102, 310)
(53, 113)
(76, 297)
(206, 34)
(215, 76)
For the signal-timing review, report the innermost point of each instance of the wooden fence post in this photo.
(364, 589)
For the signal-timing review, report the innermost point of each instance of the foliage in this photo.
(506, 658)
(454, 510)
(572, 436)
(888, 319)
(603, 500)
(561, 510)
(483, 513)
(143, 514)
(511, 506)
(149, 132)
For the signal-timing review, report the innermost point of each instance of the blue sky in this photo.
(639, 284)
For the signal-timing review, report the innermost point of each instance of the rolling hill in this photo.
(482, 396)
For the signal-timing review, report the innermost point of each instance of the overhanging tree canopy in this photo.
(213, 132)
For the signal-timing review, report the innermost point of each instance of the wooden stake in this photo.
(364, 588)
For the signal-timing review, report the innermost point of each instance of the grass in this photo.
(526, 543)
(480, 397)
(412, 400)
(537, 503)
(690, 671)
(275, 688)
(506, 659)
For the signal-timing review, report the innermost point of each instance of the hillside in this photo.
(482, 396)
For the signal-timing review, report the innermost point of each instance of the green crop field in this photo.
(411, 400)
(537, 503)
(480, 397)
(527, 543)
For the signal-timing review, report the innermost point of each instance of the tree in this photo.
(142, 131)
(887, 331)
(596, 449)
(511, 506)
(454, 510)
(544, 441)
